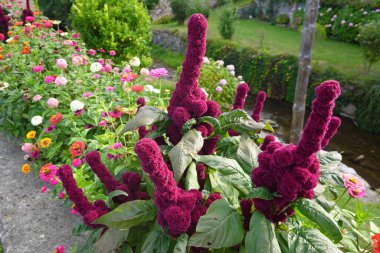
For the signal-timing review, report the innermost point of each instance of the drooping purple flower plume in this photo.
(331, 131)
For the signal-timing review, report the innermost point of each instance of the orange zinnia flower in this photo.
(76, 149)
(25, 50)
(45, 142)
(56, 118)
(25, 168)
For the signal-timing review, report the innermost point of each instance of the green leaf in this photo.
(230, 193)
(268, 127)
(180, 154)
(247, 153)
(310, 240)
(146, 116)
(188, 125)
(115, 193)
(317, 214)
(129, 214)
(329, 160)
(239, 121)
(230, 171)
(261, 237)
(220, 227)
(191, 181)
(157, 241)
(262, 193)
(181, 245)
(111, 240)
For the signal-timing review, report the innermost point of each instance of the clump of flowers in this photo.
(293, 171)
(354, 185)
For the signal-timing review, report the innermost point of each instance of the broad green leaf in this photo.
(227, 147)
(158, 241)
(191, 181)
(230, 171)
(146, 116)
(262, 193)
(329, 160)
(333, 177)
(129, 214)
(261, 237)
(239, 121)
(326, 204)
(282, 238)
(115, 193)
(220, 227)
(188, 125)
(111, 240)
(230, 193)
(181, 245)
(180, 154)
(317, 214)
(268, 127)
(247, 153)
(310, 240)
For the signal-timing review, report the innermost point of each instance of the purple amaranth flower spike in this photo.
(4, 24)
(240, 96)
(88, 211)
(27, 12)
(293, 171)
(259, 105)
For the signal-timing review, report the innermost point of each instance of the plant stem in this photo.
(340, 197)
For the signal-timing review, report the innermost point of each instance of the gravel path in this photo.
(29, 220)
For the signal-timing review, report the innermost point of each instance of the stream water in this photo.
(360, 150)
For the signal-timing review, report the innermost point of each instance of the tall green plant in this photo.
(114, 25)
(369, 39)
(180, 9)
(226, 22)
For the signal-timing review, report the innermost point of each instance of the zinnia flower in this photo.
(60, 81)
(36, 120)
(52, 103)
(37, 98)
(25, 168)
(137, 88)
(38, 68)
(91, 52)
(61, 63)
(87, 94)
(49, 129)
(116, 113)
(31, 134)
(56, 118)
(158, 72)
(76, 105)
(135, 62)
(44, 189)
(112, 53)
(76, 162)
(45, 142)
(49, 79)
(110, 88)
(96, 67)
(47, 172)
(76, 149)
(27, 147)
(144, 72)
(376, 243)
(354, 185)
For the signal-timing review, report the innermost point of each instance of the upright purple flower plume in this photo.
(4, 24)
(259, 105)
(27, 12)
(293, 171)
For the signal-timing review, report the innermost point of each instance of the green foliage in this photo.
(320, 32)
(180, 10)
(226, 22)
(199, 6)
(276, 74)
(368, 108)
(57, 10)
(282, 19)
(150, 4)
(123, 26)
(164, 20)
(369, 39)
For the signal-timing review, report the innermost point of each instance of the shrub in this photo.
(164, 20)
(320, 32)
(226, 22)
(114, 25)
(150, 4)
(282, 19)
(199, 6)
(57, 10)
(180, 10)
(369, 39)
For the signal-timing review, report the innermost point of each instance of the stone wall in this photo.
(170, 41)
(161, 9)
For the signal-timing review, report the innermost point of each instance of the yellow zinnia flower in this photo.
(31, 134)
(45, 142)
(25, 168)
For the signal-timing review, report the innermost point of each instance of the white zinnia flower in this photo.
(96, 67)
(36, 120)
(230, 67)
(135, 62)
(76, 105)
(232, 73)
(206, 60)
(148, 88)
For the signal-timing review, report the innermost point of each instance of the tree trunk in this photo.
(304, 69)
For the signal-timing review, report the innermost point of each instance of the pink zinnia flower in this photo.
(96, 76)
(49, 129)
(27, 147)
(37, 98)
(76, 162)
(2, 37)
(91, 52)
(102, 123)
(76, 35)
(158, 72)
(87, 94)
(74, 211)
(112, 53)
(110, 88)
(61, 195)
(61, 63)
(47, 172)
(29, 19)
(354, 185)
(44, 189)
(59, 249)
(49, 79)
(60, 81)
(38, 69)
(52, 103)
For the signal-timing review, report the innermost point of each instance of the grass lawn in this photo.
(169, 58)
(344, 57)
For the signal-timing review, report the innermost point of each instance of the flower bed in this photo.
(179, 176)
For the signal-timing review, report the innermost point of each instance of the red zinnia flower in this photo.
(56, 118)
(76, 149)
(137, 88)
(376, 243)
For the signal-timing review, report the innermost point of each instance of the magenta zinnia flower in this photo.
(158, 72)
